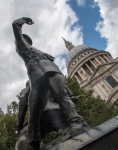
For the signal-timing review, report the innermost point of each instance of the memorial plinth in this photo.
(102, 137)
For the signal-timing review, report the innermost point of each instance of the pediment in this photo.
(102, 68)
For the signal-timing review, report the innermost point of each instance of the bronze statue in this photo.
(51, 120)
(44, 75)
(51, 104)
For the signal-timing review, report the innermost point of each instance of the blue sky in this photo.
(89, 22)
(88, 18)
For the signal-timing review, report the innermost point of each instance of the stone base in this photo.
(102, 137)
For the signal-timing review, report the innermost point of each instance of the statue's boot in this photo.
(78, 125)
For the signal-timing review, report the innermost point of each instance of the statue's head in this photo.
(27, 39)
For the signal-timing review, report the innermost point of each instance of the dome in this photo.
(74, 51)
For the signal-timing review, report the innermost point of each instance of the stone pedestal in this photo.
(102, 137)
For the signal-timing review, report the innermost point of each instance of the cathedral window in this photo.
(112, 81)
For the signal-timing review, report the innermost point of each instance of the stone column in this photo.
(107, 89)
(97, 61)
(77, 76)
(97, 90)
(82, 74)
(116, 73)
(77, 79)
(110, 58)
(102, 59)
(106, 58)
(89, 68)
(101, 91)
(93, 63)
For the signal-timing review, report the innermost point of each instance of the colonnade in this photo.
(88, 68)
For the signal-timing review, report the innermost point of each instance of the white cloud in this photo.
(94, 5)
(60, 61)
(53, 20)
(81, 2)
(108, 27)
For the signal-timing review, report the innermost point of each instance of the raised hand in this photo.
(28, 20)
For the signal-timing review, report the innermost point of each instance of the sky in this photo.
(82, 22)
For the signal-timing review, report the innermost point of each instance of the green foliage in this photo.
(51, 136)
(8, 134)
(13, 108)
(21, 92)
(94, 110)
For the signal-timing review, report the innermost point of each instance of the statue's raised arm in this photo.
(17, 28)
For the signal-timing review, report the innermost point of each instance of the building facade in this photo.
(94, 69)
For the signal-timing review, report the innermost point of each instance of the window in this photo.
(112, 81)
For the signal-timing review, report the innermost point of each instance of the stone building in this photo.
(94, 69)
(1, 112)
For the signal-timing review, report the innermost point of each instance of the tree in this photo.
(94, 110)
(8, 134)
(12, 108)
(20, 94)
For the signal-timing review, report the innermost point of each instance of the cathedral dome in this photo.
(74, 51)
(94, 70)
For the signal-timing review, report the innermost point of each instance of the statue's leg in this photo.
(37, 103)
(58, 91)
